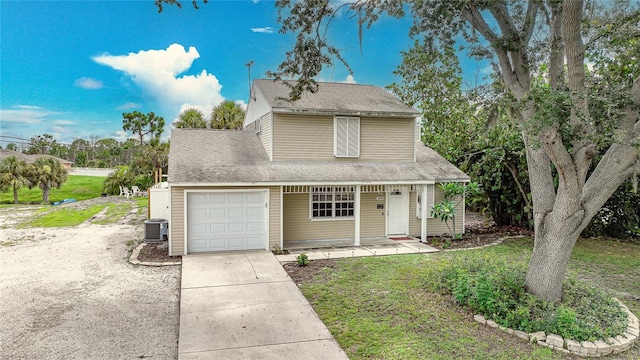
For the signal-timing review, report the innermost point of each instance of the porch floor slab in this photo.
(378, 247)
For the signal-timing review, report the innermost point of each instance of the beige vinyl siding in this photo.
(265, 133)
(297, 137)
(383, 139)
(372, 219)
(298, 226)
(435, 227)
(307, 137)
(176, 223)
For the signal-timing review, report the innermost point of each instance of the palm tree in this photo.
(47, 173)
(227, 115)
(191, 118)
(12, 175)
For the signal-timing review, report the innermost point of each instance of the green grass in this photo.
(76, 187)
(381, 308)
(114, 213)
(63, 217)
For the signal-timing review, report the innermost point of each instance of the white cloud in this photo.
(349, 80)
(205, 110)
(88, 83)
(156, 73)
(242, 104)
(129, 106)
(26, 114)
(263, 30)
(26, 121)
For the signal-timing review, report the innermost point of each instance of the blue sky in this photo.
(71, 68)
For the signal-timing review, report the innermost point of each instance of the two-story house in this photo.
(345, 163)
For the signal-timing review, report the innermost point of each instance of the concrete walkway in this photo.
(389, 248)
(243, 305)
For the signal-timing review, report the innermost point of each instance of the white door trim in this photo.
(402, 216)
(186, 206)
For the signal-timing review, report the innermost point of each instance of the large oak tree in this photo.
(539, 56)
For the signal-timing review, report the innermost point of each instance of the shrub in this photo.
(496, 289)
(302, 260)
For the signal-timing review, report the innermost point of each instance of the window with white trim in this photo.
(346, 136)
(430, 200)
(330, 202)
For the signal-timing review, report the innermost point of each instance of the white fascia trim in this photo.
(305, 183)
(343, 112)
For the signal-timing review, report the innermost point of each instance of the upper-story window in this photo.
(346, 136)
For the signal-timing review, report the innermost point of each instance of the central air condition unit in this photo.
(155, 230)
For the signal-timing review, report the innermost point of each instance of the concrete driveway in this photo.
(243, 305)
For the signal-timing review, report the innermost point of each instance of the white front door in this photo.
(397, 211)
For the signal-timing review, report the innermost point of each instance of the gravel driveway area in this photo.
(70, 293)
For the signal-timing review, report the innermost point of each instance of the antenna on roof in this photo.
(248, 65)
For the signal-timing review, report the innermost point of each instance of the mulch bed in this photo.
(156, 252)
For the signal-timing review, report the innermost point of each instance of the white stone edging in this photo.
(596, 348)
(133, 259)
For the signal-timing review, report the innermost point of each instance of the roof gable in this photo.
(336, 99)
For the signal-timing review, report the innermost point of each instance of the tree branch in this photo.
(556, 57)
(523, 193)
(474, 17)
(568, 182)
(530, 20)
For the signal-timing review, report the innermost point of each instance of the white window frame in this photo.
(258, 125)
(352, 137)
(430, 200)
(335, 195)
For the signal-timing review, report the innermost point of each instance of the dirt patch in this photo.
(156, 252)
(300, 274)
(480, 230)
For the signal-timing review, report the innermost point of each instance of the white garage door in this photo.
(221, 221)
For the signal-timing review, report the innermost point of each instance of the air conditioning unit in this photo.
(155, 230)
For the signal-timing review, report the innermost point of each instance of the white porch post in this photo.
(423, 214)
(281, 217)
(356, 215)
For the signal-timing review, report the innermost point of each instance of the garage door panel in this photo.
(236, 199)
(218, 213)
(217, 228)
(226, 221)
(254, 227)
(235, 228)
(254, 241)
(236, 212)
(255, 212)
(254, 198)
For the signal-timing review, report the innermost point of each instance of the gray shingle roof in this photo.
(337, 99)
(5, 153)
(208, 157)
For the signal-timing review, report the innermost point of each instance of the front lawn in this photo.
(382, 308)
(77, 187)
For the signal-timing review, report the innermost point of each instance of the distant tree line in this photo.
(135, 159)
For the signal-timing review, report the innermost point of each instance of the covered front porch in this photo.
(342, 215)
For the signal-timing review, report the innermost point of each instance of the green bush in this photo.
(302, 260)
(496, 289)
